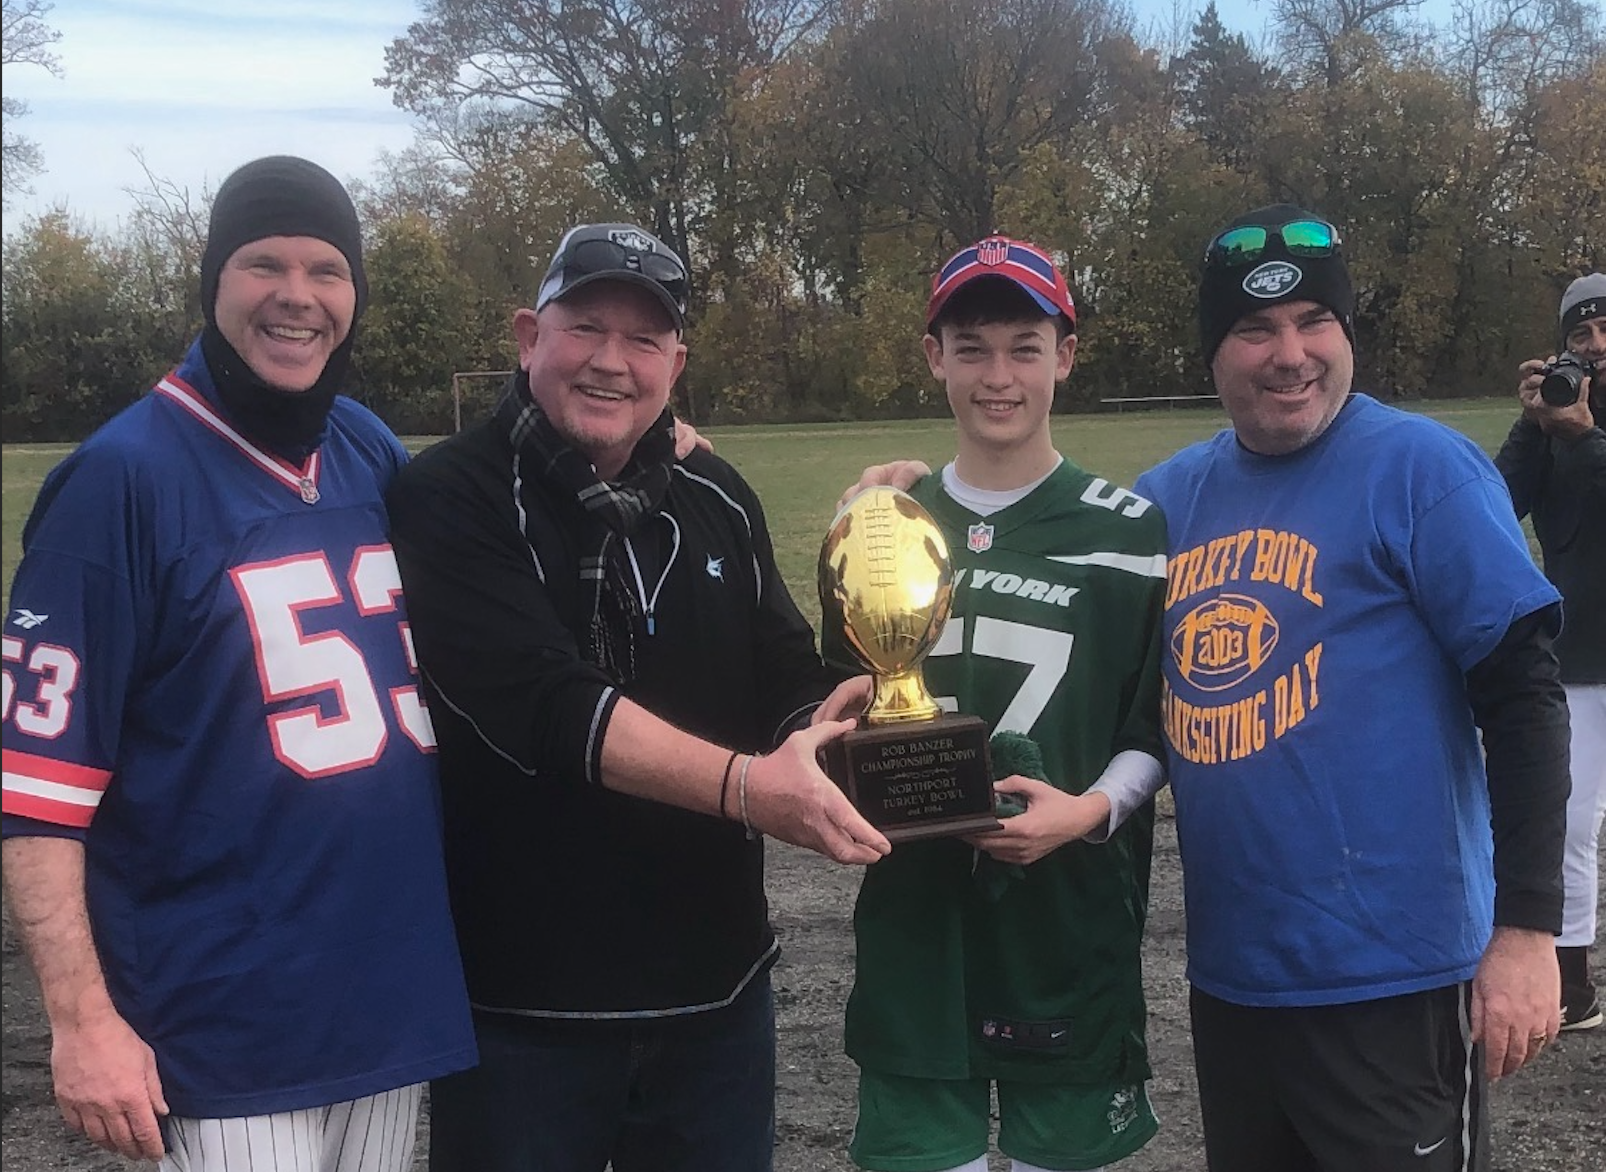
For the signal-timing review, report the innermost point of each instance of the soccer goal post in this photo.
(478, 388)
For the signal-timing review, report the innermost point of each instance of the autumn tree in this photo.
(78, 342)
(1225, 91)
(164, 238)
(1330, 39)
(955, 94)
(1127, 202)
(418, 326)
(644, 85)
(1502, 51)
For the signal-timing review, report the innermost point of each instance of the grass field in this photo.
(1546, 1120)
(799, 471)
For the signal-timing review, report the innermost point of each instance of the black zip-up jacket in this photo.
(1562, 483)
(572, 900)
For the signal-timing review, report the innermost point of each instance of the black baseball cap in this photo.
(617, 252)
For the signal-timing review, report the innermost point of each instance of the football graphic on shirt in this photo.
(1224, 641)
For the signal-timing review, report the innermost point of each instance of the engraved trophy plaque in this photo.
(886, 587)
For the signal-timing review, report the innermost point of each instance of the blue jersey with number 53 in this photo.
(209, 678)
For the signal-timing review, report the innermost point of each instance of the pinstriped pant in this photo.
(1585, 809)
(374, 1134)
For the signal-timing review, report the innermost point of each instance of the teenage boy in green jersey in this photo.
(1012, 958)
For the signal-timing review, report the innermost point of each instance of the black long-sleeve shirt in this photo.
(1519, 707)
(1562, 483)
(572, 900)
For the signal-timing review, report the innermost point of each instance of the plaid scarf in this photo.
(611, 512)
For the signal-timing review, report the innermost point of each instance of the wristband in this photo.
(725, 782)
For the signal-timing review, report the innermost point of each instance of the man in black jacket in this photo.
(1554, 462)
(620, 685)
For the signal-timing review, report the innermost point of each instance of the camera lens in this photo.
(1561, 385)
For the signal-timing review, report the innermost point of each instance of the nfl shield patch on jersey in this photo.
(979, 537)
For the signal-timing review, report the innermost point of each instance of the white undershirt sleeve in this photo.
(1131, 778)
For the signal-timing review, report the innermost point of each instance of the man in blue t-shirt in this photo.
(1349, 604)
(221, 817)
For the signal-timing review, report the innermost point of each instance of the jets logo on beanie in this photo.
(1240, 283)
(280, 195)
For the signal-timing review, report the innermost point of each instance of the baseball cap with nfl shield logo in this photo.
(616, 252)
(1015, 260)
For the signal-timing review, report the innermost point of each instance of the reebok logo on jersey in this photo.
(1032, 588)
(27, 620)
(716, 568)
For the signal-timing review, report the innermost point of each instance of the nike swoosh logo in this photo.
(1428, 1149)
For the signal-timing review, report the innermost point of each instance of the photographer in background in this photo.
(1554, 462)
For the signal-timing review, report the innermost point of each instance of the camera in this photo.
(1564, 378)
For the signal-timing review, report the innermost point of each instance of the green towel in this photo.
(1013, 754)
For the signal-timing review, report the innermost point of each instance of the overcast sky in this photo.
(201, 86)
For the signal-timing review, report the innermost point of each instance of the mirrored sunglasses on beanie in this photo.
(1267, 257)
(1248, 243)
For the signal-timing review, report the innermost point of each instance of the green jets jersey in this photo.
(1055, 634)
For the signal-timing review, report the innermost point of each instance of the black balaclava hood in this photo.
(278, 196)
(1228, 292)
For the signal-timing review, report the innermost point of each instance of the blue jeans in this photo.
(682, 1094)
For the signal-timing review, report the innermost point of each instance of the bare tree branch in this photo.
(24, 40)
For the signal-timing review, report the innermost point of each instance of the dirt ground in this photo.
(1549, 1118)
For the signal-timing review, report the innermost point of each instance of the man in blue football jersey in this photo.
(222, 839)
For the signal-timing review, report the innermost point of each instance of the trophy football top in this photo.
(886, 584)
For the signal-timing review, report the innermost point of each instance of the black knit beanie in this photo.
(278, 196)
(1585, 298)
(1228, 292)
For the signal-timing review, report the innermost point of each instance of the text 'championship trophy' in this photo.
(886, 587)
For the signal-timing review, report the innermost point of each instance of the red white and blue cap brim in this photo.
(1027, 266)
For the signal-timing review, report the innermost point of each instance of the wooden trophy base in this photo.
(918, 779)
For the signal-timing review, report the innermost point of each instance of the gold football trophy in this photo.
(886, 587)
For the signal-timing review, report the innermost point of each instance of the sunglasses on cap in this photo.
(588, 257)
(1247, 243)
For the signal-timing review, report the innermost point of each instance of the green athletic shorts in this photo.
(926, 1125)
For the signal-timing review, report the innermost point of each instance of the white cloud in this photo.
(201, 87)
